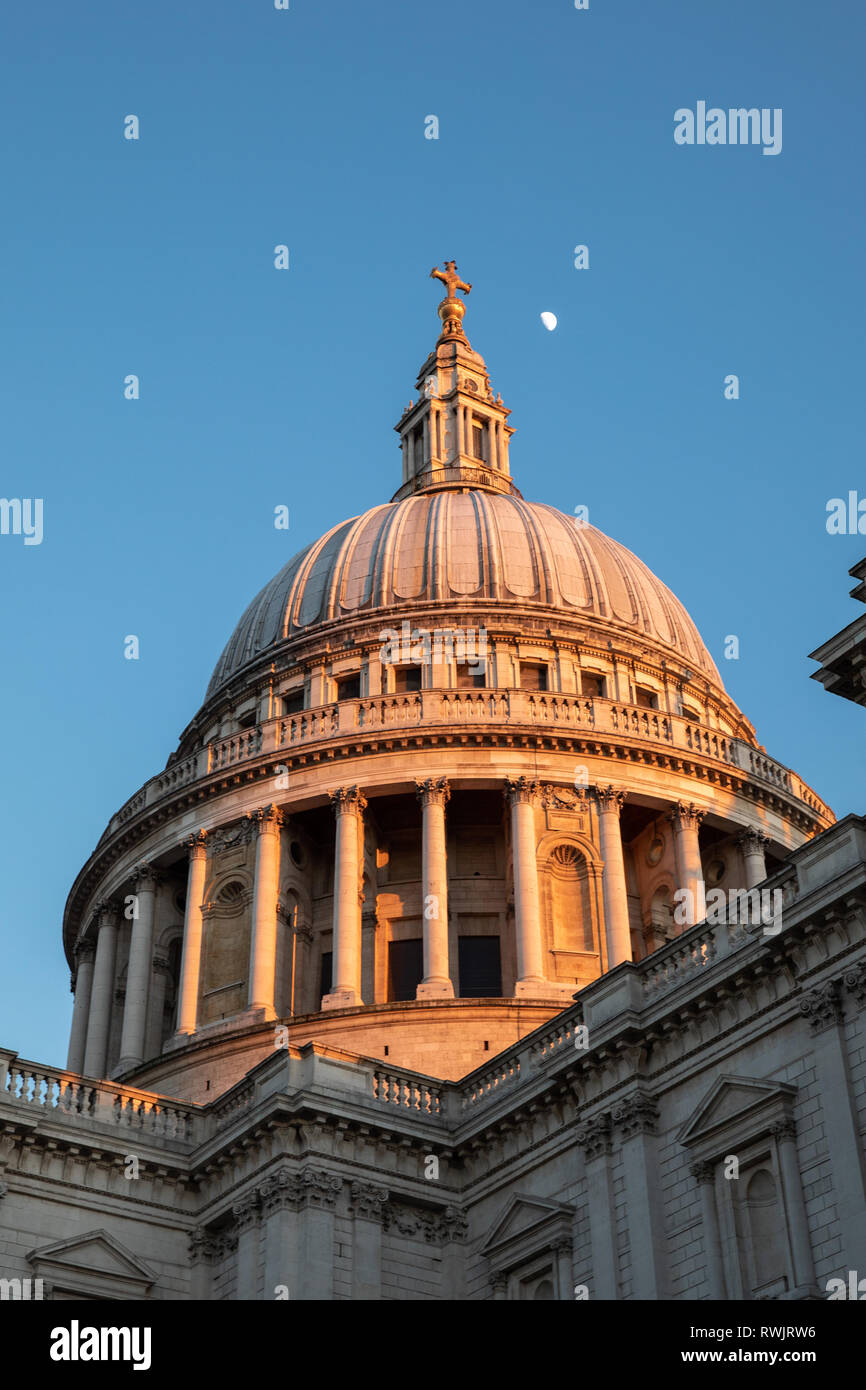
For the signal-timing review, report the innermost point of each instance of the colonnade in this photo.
(96, 960)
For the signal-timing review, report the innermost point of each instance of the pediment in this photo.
(94, 1262)
(526, 1225)
(735, 1103)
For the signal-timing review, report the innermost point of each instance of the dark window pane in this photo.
(478, 441)
(325, 979)
(645, 699)
(405, 968)
(467, 679)
(532, 677)
(349, 688)
(480, 968)
(294, 702)
(592, 685)
(407, 678)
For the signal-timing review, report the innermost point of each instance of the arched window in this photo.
(767, 1237)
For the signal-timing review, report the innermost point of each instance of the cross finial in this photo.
(451, 309)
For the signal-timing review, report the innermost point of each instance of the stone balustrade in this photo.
(511, 709)
(407, 1090)
(62, 1093)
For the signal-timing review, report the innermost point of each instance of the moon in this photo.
(549, 320)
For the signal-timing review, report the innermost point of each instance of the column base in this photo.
(435, 989)
(342, 999)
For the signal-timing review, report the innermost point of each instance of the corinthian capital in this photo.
(752, 841)
(348, 801)
(145, 877)
(434, 792)
(267, 819)
(522, 789)
(610, 799)
(685, 815)
(196, 844)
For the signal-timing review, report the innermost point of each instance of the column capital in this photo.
(595, 1137)
(685, 815)
(703, 1170)
(823, 1006)
(347, 801)
(610, 799)
(522, 789)
(267, 819)
(784, 1129)
(83, 950)
(161, 965)
(435, 791)
(752, 841)
(145, 877)
(196, 844)
(368, 1200)
(107, 910)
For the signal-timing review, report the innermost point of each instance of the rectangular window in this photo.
(480, 967)
(591, 685)
(325, 974)
(645, 699)
(293, 702)
(691, 714)
(405, 968)
(407, 678)
(468, 679)
(532, 676)
(477, 440)
(349, 688)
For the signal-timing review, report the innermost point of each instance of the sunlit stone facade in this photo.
(455, 766)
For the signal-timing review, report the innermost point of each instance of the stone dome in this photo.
(459, 547)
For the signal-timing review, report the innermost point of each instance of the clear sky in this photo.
(260, 387)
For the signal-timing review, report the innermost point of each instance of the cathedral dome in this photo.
(462, 547)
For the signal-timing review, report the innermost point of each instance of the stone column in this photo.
(594, 1137)
(348, 803)
(751, 844)
(246, 1214)
(156, 1009)
(795, 1205)
(613, 885)
(455, 1229)
(139, 969)
(704, 1174)
(368, 1208)
(102, 991)
(280, 1196)
(203, 1250)
(635, 1118)
(190, 968)
(563, 1250)
(84, 953)
(436, 984)
(685, 819)
(263, 947)
(522, 795)
(824, 1010)
(316, 1235)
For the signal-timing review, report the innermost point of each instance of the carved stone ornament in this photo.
(348, 801)
(267, 819)
(637, 1114)
(562, 798)
(610, 799)
(822, 1006)
(435, 791)
(595, 1137)
(368, 1200)
(522, 789)
(686, 816)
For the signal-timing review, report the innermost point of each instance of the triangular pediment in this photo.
(732, 1101)
(526, 1221)
(94, 1261)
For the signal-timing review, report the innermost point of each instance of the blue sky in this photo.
(259, 387)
